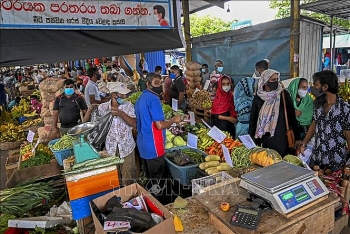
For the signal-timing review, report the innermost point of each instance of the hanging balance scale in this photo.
(285, 186)
(83, 151)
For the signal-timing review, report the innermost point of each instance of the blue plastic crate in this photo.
(60, 155)
(81, 207)
(183, 174)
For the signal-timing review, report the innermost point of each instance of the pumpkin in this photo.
(264, 157)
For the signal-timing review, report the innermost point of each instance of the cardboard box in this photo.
(126, 194)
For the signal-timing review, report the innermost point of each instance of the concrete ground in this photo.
(3, 157)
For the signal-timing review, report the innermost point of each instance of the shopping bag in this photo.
(100, 131)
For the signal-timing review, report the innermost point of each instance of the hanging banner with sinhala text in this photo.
(94, 14)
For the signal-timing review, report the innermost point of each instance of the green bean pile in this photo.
(66, 142)
(240, 157)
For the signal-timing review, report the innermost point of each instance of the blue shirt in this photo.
(150, 140)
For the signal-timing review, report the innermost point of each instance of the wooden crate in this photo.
(340, 223)
(12, 162)
(200, 113)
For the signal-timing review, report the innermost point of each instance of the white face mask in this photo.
(144, 76)
(302, 93)
(226, 88)
(155, 17)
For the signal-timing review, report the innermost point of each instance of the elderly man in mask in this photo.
(119, 140)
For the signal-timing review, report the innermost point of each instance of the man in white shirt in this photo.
(91, 92)
(119, 140)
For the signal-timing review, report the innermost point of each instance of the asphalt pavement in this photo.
(3, 157)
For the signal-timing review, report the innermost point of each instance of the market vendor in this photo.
(119, 140)
(67, 107)
(330, 123)
(177, 89)
(91, 92)
(151, 126)
(302, 102)
(223, 111)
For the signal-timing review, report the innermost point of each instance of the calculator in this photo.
(246, 217)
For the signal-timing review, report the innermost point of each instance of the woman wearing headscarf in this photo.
(243, 100)
(223, 111)
(303, 104)
(267, 119)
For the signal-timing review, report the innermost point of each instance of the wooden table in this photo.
(318, 218)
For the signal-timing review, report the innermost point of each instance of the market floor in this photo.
(3, 156)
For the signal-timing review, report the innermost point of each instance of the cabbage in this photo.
(169, 138)
(169, 145)
(178, 141)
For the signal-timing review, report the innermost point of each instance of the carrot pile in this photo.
(216, 148)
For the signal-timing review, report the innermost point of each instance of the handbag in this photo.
(289, 133)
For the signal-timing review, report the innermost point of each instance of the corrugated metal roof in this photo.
(337, 8)
(196, 6)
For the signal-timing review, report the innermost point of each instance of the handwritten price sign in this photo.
(112, 225)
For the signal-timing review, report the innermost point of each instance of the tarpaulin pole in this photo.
(331, 45)
(294, 38)
(187, 32)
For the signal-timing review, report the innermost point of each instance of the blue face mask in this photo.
(69, 91)
(172, 76)
(120, 101)
(220, 69)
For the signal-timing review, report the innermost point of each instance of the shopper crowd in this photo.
(259, 106)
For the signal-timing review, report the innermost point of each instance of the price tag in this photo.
(192, 141)
(206, 124)
(217, 134)
(36, 145)
(247, 141)
(30, 136)
(206, 85)
(192, 118)
(174, 104)
(195, 92)
(227, 155)
(112, 225)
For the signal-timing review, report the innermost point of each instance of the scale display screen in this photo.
(294, 196)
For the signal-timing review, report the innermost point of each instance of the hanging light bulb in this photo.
(228, 8)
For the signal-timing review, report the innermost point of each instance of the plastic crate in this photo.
(81, 207)
(60, 155)
(183, 174)
(206, 183)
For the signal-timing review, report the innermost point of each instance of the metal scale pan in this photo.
(277, 176)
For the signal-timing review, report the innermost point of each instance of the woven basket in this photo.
(10, 145)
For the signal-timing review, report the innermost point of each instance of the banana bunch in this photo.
(344, 90)
(23, 108)
(34, 122)
(37, 93)
(10, 132)
(31, 114)
(6, 117)
(204, 140)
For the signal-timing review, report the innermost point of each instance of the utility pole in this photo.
(186, 15)
(294, 38)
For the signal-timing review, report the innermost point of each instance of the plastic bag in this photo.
(100, 131)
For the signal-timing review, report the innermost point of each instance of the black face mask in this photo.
(98, 77)
(157, 90)
(272, 85)
(317, 92)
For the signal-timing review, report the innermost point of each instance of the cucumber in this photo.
(212, 158)
(223, 168)
(212, 164)
(210, 168)
(202, 166)
(213, 171)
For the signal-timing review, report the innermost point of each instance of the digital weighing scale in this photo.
(285, 186)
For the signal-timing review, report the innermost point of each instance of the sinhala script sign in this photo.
(94, 14)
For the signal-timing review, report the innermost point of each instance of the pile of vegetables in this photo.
(185, 156)
(26, 151)
(241, 157)
(166, 108)
(93, 164)
(212, 165)
(66, 142)
(216, 148)
(19, 200)
(133, 97)
(201, 99)
(172, 113)
(39, 158)
(264, 157)
(4, 218)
